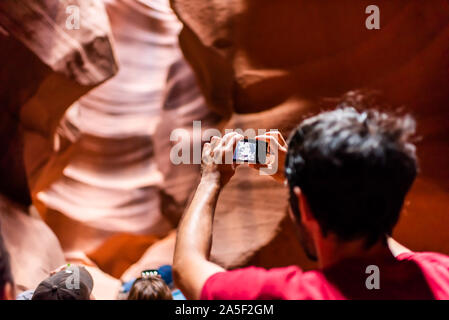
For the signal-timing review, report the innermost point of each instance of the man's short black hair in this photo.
(5, 268)
(354, 168)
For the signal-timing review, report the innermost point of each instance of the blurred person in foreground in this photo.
(347, 173)
(6, 280)
(150, 287)
(66, 283)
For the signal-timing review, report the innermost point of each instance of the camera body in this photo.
(251, 151)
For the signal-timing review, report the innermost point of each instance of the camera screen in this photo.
(248, 151)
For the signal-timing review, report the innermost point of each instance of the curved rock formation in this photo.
(119, 189)
(46, 68)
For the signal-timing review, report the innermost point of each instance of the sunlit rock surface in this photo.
(110, 186)
(120, 189)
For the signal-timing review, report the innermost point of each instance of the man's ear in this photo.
(8, 292)
(306, 213)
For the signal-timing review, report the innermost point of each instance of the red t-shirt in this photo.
(409, 276)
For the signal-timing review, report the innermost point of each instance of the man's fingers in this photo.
(231, 136)
(222, 149)
(207, 149)
(214, 142)
(229, 148)
(274, 138)
(218, 153)
(278, 136)
(272, 141)
(231, 142)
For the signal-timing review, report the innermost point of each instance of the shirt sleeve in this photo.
(249, 284)
(435, 268)
(433, 258)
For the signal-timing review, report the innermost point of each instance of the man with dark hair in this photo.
(354, 170)
(6, 280)
(348, 173)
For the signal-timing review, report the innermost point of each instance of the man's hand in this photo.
(277, 149)
(217, 158)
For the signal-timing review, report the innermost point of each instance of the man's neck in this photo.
(331, 251)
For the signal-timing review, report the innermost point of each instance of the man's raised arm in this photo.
(191, 265)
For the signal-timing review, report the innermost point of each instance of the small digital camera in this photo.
(251, 151)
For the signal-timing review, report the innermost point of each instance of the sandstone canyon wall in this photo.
(119, 193)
